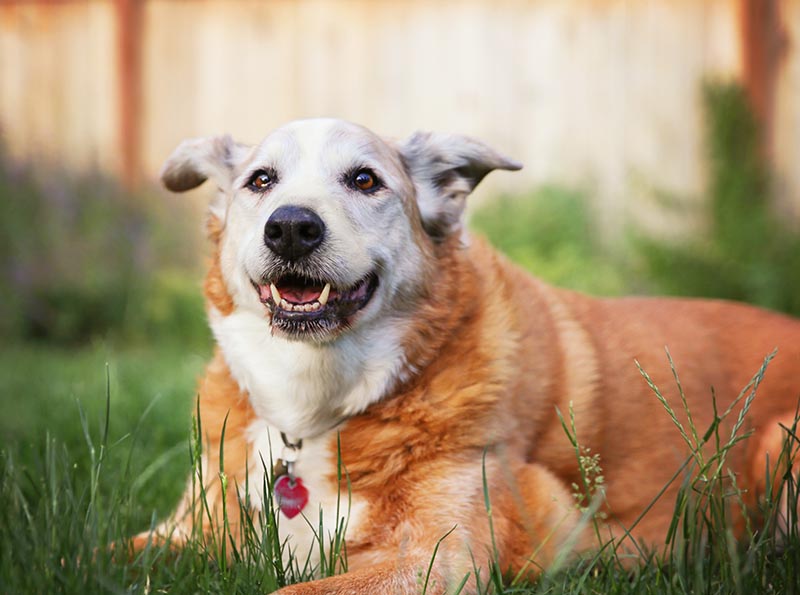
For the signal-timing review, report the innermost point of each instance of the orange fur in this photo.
(214, 286)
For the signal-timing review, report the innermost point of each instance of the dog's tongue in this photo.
(300, 295)
(296, 294)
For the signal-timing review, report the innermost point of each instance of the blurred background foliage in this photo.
(82, 259)
(744, 252)
(747, 253)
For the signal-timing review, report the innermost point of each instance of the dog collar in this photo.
(289, 492)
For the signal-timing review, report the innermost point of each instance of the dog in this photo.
(368, 345)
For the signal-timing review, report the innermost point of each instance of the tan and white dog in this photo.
(351, 307)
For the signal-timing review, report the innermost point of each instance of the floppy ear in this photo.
(197, 159)
(445, 169)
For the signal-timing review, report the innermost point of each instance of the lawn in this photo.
(58, 397)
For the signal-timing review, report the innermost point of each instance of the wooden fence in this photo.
(603, 95)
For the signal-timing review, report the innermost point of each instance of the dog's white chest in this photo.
(327, 509)
(306, 389)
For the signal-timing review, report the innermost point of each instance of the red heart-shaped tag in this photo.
(291, 495)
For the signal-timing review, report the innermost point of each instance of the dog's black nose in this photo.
(292, 232)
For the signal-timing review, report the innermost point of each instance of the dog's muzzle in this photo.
(302, 303)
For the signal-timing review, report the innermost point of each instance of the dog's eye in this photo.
(261, 180)
(365, 180)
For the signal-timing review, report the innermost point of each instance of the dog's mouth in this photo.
(303, 307)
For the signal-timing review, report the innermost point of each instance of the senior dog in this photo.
(369, 345)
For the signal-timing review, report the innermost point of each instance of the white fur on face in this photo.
(305, 387)
(365, 233)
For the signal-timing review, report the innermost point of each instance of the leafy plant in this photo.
(748, 253)
(81, 258)
(550, 233)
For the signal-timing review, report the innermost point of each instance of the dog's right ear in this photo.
(198, 159)
(446, 168)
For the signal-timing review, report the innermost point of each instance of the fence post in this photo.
(764, 43)
(129, 56)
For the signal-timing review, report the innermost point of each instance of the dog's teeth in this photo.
(323, 297)
(276, 295)
(292, 307)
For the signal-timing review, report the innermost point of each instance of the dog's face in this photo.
(328, 226)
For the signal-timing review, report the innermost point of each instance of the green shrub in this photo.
(748, 254)
(81, 258)
(550, 233)
(170, 307)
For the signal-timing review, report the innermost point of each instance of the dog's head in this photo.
(327, 226)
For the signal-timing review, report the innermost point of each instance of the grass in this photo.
(115, 455)
(58, 397)
(96, 452)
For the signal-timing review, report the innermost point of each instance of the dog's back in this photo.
(716, 347)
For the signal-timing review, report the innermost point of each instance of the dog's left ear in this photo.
(199, 159)
(445, 169)
(196, 160)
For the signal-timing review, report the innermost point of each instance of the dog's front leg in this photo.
(532, 520)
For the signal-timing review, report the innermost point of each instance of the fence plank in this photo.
(602, 94)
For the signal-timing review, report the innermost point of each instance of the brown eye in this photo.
(365, 181)
(261, 180)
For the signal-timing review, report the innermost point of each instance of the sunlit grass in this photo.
(81, 471)
(46, 391)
